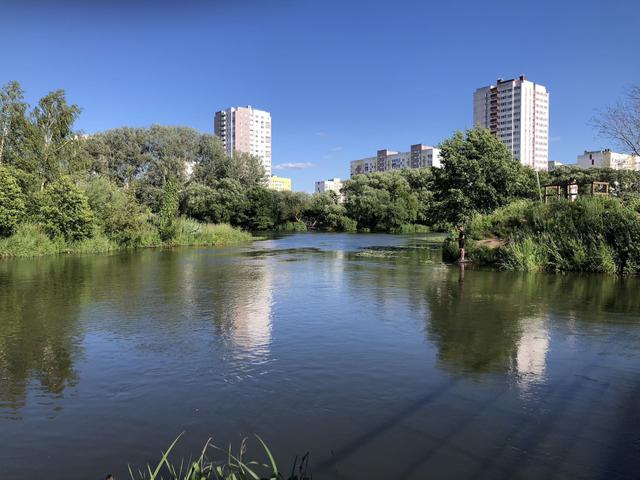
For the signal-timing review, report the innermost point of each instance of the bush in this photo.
(191, 232)
(65, 211)
(168, 213)
(591, 234)
(12, 206)
(292, 227)
(116, 212)
(29, 240)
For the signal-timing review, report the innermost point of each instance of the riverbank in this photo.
(589, 235)
(30, 240)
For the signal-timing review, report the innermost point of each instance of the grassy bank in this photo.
(30, 240)
(589, 235)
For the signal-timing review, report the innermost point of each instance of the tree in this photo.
(116, 211)
(13, 122)
(380, 201)
(119, 154)
(12, 207)
(477, 175)
(169, 211)
(621, 122)
(260, 211)
(326, 213)
(65, 211)
(51, 135)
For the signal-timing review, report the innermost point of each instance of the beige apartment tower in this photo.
(517, 112)
(247, 130)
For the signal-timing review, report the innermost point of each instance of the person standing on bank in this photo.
(461, 239)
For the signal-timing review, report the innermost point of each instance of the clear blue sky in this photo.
(340, 78)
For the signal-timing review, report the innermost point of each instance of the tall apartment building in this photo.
(517, 112)
(420, 156)
(245, 129)
(608, 159)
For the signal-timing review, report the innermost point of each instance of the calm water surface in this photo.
(365, 350)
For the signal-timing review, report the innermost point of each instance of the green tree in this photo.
(12, 206)
(116, 211)
(478, 174)
(13, 122)
(326, 213)
(65, 211)
(168, 213)
(260, 210)
(52, 137)
(380, 201)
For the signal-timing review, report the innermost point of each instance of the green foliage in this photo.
(297, 226)
(380, 201)
(29, 240)
(167, 225)
(591, 234)
(64, 211)
(261, 209)
(191, 232)
(116, 211)
(12, 206)
(232, 466)
(478, 175)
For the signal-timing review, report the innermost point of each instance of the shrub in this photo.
(29, 240)
(65, 212)
(12, 206)
(297, 226)
(191, 232)
(168, 211)
(590, 234)
(116, 212)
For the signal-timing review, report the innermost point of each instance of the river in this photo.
(364, 350)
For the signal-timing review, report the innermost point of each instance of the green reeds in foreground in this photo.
(230, 466)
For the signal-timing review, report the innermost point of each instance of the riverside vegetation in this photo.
(62, 192)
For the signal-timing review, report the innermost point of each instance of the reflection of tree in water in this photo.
(39, 305)
(495, 321)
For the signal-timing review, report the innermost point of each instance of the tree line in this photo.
(130, 183)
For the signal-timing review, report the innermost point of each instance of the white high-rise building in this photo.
(517, 112)
(331, 185)
(245, 129)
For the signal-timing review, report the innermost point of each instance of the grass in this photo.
(30, 240)
(589, 235)
(191, 232)
(230, 466)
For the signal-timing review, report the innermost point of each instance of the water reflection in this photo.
(40, 303)
(531, 352)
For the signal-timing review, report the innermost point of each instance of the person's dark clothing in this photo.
(461, 239)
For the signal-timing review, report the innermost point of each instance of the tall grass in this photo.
(191, 232)
(230, 466)
(30, 240)
(590, 235)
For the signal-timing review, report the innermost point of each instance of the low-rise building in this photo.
(420, 156)
(279, 184)
(608, 159)
(331, 185)
(553, 164)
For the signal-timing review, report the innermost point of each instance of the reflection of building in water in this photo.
(251, 330)
(531, 353)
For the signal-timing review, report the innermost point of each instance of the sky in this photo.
(341, 79)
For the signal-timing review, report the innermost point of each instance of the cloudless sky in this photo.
(341, 79)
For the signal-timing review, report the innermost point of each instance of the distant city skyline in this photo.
(335, 87)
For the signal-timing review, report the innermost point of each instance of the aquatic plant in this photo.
(232, 466)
